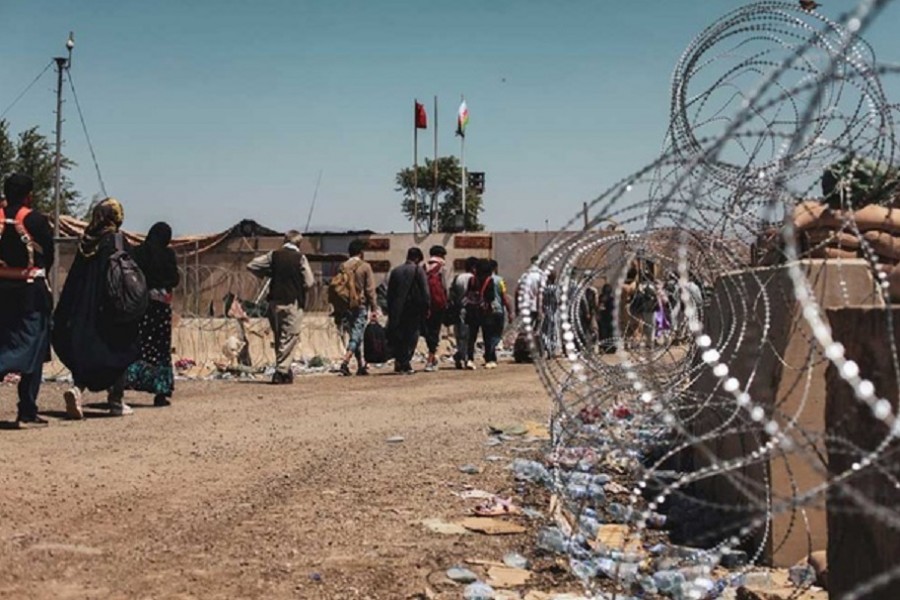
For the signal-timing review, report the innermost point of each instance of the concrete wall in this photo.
(209, 275)
(861, 543)
(761, 335)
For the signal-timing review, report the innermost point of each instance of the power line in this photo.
(86, 134)
(25, 91)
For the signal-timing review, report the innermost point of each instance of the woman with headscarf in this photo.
(94, 347)
(152, 372)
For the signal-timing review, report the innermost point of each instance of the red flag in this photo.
(421, 117)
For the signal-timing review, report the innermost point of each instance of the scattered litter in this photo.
(397, 439)
(616, 537)
(537, 430)
(614, 488)
(315, 576)
(497, 507)
(490, 526)
(470, 469)
(510, 429)
(479, 591)
(493, 458)
(474, 495)
(515, 560)
(505, 577)
(443, 527)
(461, 575)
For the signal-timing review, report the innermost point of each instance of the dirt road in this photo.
(244, 490)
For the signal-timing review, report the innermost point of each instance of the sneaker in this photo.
(459, 364)
(31, 422)
(345, 370)
(120, 410)
(73, 404)
(160, 400)
(490, 365)
(362, 371)
(470, 365)
(431, 367)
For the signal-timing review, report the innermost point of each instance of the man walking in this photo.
(291, 277)
(26, 252)
(435, 274)
(458, 289)
(362, 304)
(408, 302)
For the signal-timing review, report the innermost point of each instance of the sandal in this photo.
(497, 507)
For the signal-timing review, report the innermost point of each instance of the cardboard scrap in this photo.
(509, 429)
(507, 577)
(615, 537)
(537, 430)
(443, 527)
(491, 526)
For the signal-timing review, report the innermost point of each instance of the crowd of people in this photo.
(108, 340)
(113, 337)
(420, 300)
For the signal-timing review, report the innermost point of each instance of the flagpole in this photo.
(415, 167)
(435, 190)
(462, 160)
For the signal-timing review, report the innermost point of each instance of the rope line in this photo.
(86, 134)
(25, 91)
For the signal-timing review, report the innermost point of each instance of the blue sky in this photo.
(203, 113)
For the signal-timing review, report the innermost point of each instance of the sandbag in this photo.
(830, 238)
(884, 244)
(894, 284)
(826, 252)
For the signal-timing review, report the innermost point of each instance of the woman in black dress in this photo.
(152, 372)
(94, 347)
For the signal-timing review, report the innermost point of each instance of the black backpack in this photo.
(126, 287)
(375, 346)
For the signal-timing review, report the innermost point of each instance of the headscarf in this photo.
(106, 217)
(156, 259)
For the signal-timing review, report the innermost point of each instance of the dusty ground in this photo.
(243, 490)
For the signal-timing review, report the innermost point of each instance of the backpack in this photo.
(342, 292)
(126, 286)
(476, 300)
(436, 289)
(375, 346)
(28, 272)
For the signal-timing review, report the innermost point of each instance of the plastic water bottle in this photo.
(478, 591)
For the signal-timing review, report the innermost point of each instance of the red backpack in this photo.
(436, 288)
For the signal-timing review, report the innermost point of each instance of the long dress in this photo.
(94, 348)
(152, 372)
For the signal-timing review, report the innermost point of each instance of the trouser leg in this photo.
(491, 332)
(410, 339)
(287, 321)
(462, 340)
(433, 332)
(474, 326)
(29, 387)
(116, 393)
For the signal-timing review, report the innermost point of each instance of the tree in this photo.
(34, 156)
(7, 152)
(449, 203)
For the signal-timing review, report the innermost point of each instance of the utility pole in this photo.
(62, 62)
